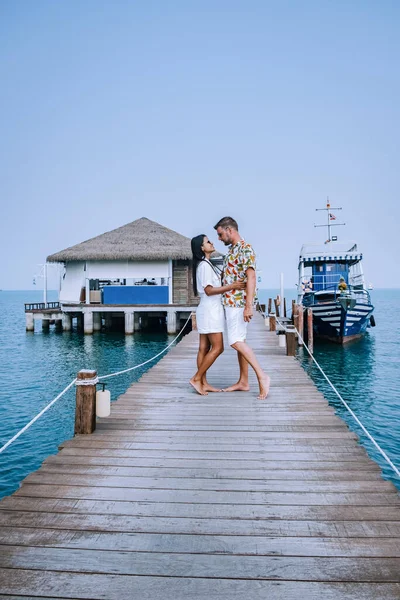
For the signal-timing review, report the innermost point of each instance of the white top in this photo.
(205, 275)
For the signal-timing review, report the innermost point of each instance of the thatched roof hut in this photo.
(142, 239)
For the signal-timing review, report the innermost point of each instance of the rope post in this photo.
(310, 340)
(277, 303)
(272, 322)
(85, 411)
(300, 327)
(290, 340)
(269, 306)
(194, 322)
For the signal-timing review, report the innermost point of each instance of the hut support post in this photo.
(66, 322)
(30, 322)
(171, 321)
(96, 321)
(136, 322)
(88, 322)
(45, 324)
(129, 322)
(85, 411)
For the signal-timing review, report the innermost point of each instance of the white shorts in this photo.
(235, 324)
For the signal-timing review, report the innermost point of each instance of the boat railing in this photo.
(361, 294)
(42, 306)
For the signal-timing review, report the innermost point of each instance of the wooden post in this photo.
(276, 307)
(310, 340)
(295, 315)
(85, 411)
(262, 308)
(300, 328)
(194, 322)
(269, 305)
(284, 307)
(272, 322)
(290, 341)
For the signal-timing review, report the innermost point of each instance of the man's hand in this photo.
(248, 313)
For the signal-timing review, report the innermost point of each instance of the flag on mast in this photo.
(332, 217)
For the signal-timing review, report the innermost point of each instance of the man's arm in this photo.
(250, 289)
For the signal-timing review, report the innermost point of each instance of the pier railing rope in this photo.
(365, 430)
(74, 381)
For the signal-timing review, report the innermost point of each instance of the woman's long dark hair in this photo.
(198, 256)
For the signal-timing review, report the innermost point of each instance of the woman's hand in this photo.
(238, 285)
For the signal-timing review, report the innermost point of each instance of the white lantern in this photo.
(103, 402)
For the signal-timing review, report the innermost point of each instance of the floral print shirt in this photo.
(239, 258)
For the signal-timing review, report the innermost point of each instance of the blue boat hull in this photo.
(340, 324)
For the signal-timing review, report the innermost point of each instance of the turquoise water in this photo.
(365, 374)
(34, 368)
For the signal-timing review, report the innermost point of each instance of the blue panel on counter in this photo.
(135, 294)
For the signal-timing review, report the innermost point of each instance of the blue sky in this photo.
(184, 112)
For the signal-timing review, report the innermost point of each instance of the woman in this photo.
(210, 313)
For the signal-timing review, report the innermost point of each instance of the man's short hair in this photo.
(227, 222)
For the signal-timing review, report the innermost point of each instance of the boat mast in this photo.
(331, 217)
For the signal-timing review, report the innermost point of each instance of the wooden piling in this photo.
(310, 332)
(284, 307)
(269, 305)
(300, 328)
(295, 315)
(272, 322)
(85, 411)
(277, 303)
(194, 322)
(290, 341)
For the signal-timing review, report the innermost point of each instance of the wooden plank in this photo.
(209, 496)
(251, 486)
(197, 472)
(327, 512)
(385, 570)
(94, 586)
(201, 544)
(187, 525)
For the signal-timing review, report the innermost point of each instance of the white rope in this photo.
(150, 359)
(383, 453)
(92, 381)
(16, 436)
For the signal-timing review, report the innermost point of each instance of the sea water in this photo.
(35, 367)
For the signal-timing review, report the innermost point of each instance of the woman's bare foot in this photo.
(237, 387)
(198, 387)
(207, 387)
(264, 383)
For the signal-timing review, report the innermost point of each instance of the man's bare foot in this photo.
(237, 387)
(209, 388)
(264, 387)
(198, 387)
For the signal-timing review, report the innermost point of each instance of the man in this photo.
(240, 265)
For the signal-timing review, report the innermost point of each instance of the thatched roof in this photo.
(140, 240)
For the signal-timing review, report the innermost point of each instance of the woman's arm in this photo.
(215, 291)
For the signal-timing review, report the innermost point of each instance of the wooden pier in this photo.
(224, 497)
